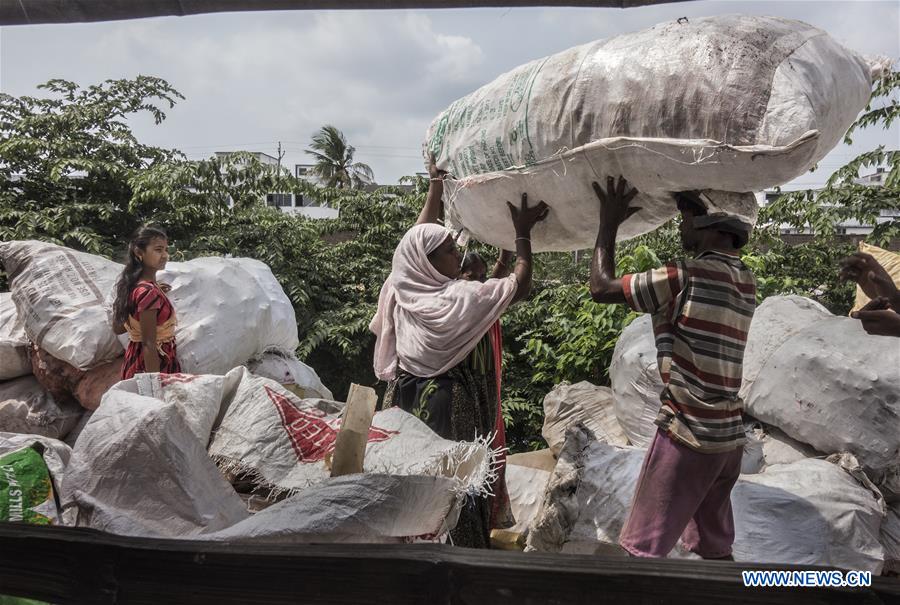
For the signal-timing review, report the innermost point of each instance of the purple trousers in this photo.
(682, 493)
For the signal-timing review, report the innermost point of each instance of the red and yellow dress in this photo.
(146, 296)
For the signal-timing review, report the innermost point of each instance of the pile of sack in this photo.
(237, 448)
(819, 481)
(239, 457)
(734, 103)
(59, 354)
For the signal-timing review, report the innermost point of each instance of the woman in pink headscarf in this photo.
(428, 325)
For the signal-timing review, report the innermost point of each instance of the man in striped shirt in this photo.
(701, 311)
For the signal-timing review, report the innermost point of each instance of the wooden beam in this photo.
(70, 565)
(350, 444)
(23, 12)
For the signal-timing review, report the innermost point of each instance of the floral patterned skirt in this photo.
(459, 405)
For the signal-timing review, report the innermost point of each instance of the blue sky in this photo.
(253, 79)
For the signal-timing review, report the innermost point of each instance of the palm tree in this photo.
(334, 160)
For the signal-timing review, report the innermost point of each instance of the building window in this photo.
(279, 200)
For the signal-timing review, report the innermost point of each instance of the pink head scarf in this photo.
(426, 322)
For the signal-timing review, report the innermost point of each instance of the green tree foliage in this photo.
(67, 160)
(334, 160)
(560, 334)
(92, 195)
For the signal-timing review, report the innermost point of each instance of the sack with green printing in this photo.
(26, 489)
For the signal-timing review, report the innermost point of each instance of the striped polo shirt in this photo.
(701, 314)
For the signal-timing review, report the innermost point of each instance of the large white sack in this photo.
(810, 512)
(60, 295)
(752, 460)
(284, 442)
(14, 360)
(732, 102)
(229, 310)
(140, 465)
(286, 369)
(526, 488)
(73, 435)
(836, 388)
(778, 448)
(890, 538)
(582, 402)
(361, 508)
(56, 453)
(26, 407)
(767, 446)
(635, 379)
(775, 321)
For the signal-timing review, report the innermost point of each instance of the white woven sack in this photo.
(775, 321)
(283, 442)
(526, 487)
(60, 296)
(26, 407)
(582, 402)
(811, 512)
(636, 383)
(140, 466)
(229, 310)
(286, 369)
(835, 387)
(733, 102)
(56, 453)
(360, 509)
(14, 360)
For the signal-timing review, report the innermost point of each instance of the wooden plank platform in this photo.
(20, 12)
(73, 565)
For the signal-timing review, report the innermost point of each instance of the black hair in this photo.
(470, 259)
(688, 200)
(131, 274)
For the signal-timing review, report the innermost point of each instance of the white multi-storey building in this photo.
(291, 203)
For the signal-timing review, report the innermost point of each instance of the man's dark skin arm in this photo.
(871, 277)
(878, 318)
(605, 287)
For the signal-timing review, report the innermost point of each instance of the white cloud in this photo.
(252, 79)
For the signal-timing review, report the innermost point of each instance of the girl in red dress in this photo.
(142, 308)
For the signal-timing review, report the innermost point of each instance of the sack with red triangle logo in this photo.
(283, 443)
